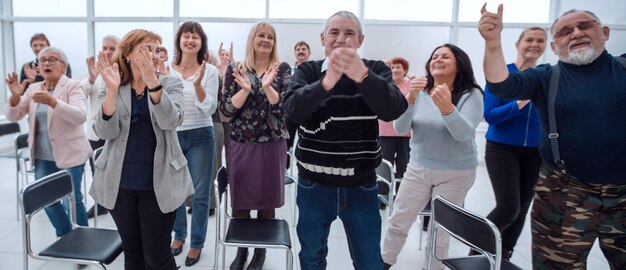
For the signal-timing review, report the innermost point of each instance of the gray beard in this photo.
(582, 56)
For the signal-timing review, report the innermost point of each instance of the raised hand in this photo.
(146, 63)
(31, 72)
(14, 85)
(242, 80)
(490, 24)
(269, 77)
(416, 85)
(232, 57)
(44, 97)
(333, 74)
(348, 62)
(110, 73)
(91, 68)
(197, 81)
(442, 97)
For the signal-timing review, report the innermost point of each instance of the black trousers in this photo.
(513, 171)
(146, 232)
(396, 150)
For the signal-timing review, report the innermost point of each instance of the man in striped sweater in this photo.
(337, 102)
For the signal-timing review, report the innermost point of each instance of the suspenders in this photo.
(553, 134)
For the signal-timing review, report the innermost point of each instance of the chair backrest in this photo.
(461, 223)
(9, 128)
(46, 191)
(21, 141)
(385, 170)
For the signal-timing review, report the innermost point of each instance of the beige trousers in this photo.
(418, 186)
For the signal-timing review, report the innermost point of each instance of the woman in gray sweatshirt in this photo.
(445, 107)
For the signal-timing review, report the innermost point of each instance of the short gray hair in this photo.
(55, 50)
(345, 14)
(574, 11)
(111, 38)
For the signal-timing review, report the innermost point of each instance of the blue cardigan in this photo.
(507, 123)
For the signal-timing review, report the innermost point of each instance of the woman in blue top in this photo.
(512, 156)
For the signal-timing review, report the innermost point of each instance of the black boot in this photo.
(507, 253)
(240, 259)
(257, 260)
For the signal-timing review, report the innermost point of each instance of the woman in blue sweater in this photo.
(512, 156)
(445, 107)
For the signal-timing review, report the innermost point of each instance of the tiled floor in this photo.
(480, 199)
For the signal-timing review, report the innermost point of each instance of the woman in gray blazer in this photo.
(141, 175)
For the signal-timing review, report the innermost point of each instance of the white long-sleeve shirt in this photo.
(198, 114)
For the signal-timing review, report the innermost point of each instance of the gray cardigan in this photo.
(443, 142)
(172, 181)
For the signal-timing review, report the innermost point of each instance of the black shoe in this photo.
(382, 206)
(211, 211)
(386, 266)
(178, 250)
(240, 259)
(258, 259)
(101, 211)
(191, 261)
(507, 254)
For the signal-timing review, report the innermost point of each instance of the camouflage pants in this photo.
(569, 215)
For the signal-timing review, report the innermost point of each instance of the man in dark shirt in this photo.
(30, 70)
(337, 102)
(580, 196)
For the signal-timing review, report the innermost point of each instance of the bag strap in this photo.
(553, 134)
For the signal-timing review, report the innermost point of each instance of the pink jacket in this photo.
(65, 122)
(385, 129)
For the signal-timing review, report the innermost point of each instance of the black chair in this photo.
(426, 212)
(24, 169)
(8, 129)
(386, 180)
(82, 245)
(471, 229)
(244, 232)
(96, 154)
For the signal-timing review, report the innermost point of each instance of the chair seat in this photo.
(477, 263)
(85, 243)
(259, 231)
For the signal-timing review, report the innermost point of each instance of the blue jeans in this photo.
(357, 207)
(58, 213)
(197, 145)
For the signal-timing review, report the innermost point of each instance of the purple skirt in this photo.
(256, 174)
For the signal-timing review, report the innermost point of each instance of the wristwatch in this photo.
(152, 90)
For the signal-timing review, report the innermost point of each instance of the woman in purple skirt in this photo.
(257, 153)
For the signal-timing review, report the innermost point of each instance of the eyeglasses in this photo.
(50, 61)
(567, 30)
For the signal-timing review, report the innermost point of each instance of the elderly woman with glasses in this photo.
(57, 110)
(142, 174)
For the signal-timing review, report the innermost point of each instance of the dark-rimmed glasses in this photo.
(50, 61)
(567, 30)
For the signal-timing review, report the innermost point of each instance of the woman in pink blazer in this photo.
(57, 139)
